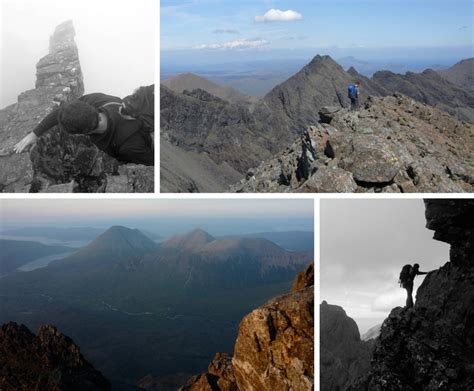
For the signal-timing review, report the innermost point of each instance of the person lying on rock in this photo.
(407, 277)
(111, 125)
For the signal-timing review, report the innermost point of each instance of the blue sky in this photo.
(230, 26)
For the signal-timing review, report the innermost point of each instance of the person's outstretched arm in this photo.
(420, 273)
(47, 123)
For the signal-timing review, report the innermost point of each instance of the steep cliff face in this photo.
(392, 144)
(431, 346)
(59, 162)
(48, 361)
(344, 356)
(274, 349)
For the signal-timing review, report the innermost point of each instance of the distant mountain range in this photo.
(181, 299)
(218, 141)
(189, 81)
(371, 333)
(461, 74)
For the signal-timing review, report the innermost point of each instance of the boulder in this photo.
(327, 113)
(329, 180)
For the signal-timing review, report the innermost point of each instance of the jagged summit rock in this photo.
(430, 346)
(61, 67)
(392, 144)
(48, 361)
(59, 162)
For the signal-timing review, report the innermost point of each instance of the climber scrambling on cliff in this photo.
(120, 128)
(353, 95)
(407, 277)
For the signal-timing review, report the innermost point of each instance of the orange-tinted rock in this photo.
(274, 349)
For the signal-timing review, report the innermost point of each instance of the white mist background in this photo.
(115, 39)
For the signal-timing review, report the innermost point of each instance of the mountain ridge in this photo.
(264, 129)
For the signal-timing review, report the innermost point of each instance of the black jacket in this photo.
(124, 139)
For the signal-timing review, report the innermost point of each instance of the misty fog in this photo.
(115, 40)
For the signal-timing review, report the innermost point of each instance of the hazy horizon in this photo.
(364, 245)
(163, 217)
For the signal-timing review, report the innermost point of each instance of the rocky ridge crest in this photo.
(47, 361)
(393, 144)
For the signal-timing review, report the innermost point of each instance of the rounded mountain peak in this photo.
(192, 240)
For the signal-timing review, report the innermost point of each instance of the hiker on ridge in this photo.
(407, 277)
(353, 95)
(120, 128)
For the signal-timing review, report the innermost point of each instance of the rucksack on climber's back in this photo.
(404, 275)
(352, 91)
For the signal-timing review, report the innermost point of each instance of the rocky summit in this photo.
(48, 361)
(274, 349)
(431, 346)
(393, 144)
(344, 356)
(59, 163)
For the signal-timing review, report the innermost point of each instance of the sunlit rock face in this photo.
(274, 349)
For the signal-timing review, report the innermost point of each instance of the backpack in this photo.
(404, 275)
(141, 105)
(352, 92)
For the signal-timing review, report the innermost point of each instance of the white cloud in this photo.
(238, 44)
(391, 299)
(276, 15)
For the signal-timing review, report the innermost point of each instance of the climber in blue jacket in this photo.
(353, 95)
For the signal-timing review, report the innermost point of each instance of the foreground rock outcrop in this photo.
(59, 163)
(274, 349)
(393, 144)
(431, 346)
(344, 356)
(49, 361)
